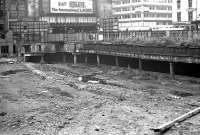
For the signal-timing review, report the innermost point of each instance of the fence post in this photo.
(64, 58)
(149, 34)
(86, 59)
(140, 64)
(42, 59)
(75, 59)
(190, 35)
(172, 69)
(116, 61)
(195, 36)
(98, 60)
(0, 51)
(167, 34)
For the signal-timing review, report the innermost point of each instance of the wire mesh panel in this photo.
(179, 35)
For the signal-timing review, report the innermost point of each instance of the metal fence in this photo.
(116, 49)
(174, 35)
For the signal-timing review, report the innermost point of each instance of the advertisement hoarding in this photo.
(72, 6)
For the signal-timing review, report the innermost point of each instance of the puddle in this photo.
(92, 78)
(3, 114)
(9, 72)
(194, 81)
(6, 62)
(148, 76)
(65, 94)
(182, 94)
(88, 78)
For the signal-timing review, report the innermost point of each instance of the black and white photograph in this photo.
(99, 67)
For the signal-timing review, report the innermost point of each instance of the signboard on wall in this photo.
(72, 6)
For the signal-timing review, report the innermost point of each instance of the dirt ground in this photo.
(108, 101)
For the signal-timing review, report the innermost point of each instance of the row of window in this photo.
(159, 1)
(118, 2)
(1, 4)
(146, 15)
(146, 23)
(190, 16)
(150, 7)
(69, 19)
(158, 15)
(190, 2)
(29, 26)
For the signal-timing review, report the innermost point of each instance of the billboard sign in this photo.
(72, 6)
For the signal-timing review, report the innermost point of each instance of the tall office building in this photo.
(142, 14)
(6, 43)
(3, 16)
(65, 16)
(186, 10)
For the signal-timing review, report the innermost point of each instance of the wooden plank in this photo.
(168, 125)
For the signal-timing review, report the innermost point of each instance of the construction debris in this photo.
(37, 72)
(67, 102)
(168, 125)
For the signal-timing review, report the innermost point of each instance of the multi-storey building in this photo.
(6, 43)
(21, 10)
(3, 16)
(52, 21)
(142, 14)
(69, 20)
(186, 10)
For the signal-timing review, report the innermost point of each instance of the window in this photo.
(137, 15)
(179, 16)
(116, 2)
(134, 1)
(126, 1)
(190, 3)
(190, 16)
(178, 4)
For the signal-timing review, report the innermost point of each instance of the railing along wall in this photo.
(132, 49)
(174, 35)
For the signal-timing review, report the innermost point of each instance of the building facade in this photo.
(142, 14)
(6, 39)
(186, 10)
(52, 22)
(104, 8)
(70, 21)
(3, 16)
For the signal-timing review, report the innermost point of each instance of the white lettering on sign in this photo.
(72, 6)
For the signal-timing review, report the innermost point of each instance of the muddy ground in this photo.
(108, 101)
